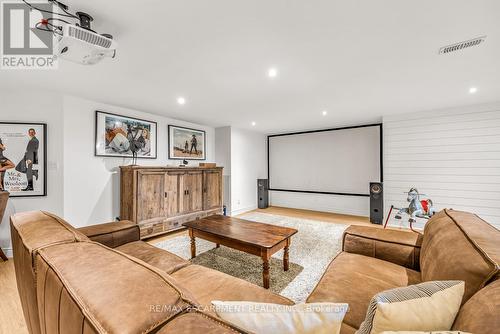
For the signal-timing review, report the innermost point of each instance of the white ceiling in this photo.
(358, 59)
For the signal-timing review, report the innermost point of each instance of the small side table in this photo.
(4, 197)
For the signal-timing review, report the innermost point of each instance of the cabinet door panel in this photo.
(150, 188)
(212, 189)
(184, 203)
(195, 191)
(172, 205)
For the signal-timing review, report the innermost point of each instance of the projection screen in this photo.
(339, 161)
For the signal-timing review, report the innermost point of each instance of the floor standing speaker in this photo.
(376, 202)
(263, 193)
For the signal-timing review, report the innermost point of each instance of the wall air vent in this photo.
(462, 45)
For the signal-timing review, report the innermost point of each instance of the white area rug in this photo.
(313, 248)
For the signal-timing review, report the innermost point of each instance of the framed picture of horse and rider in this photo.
(23, 159)
(186, 143)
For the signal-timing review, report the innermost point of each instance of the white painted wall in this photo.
(248, 163)
(44, 107)
(92, 184)
(244, 152)
(223, 148)
(223, 158)
(451, 155)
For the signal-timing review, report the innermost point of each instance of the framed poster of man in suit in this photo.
(23, 159)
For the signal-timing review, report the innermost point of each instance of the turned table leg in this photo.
(265, 273)
(193, 243)
(3, 256)
(286, 256)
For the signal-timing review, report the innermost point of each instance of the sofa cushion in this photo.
(207, 284)
(355, 279)
(397, 246)
(481, 313)
(154, 256)
(109, 290)
(460, 246)
(112, 234)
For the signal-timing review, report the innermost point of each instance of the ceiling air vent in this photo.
(462, 45)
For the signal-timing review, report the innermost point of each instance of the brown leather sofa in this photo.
(103, 279)
(455, 246)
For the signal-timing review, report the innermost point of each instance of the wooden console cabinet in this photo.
(160, 199)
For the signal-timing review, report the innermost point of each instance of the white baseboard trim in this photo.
(8, 252)
(243, 210)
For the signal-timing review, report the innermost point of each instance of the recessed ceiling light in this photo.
(324, 112)
(473, 90)
(181, 100)
(272, 72)
(253, 123)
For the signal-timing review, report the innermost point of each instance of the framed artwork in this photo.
(23, 159)
(119, 136)
(186, 143)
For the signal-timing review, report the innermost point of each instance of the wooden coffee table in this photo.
(250, 237)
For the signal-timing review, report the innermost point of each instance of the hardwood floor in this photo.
(317, 215)
(11, 314)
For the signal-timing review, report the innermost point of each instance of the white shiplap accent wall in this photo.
(451, 155)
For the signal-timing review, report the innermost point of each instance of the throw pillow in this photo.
(314, 318)
(429, 306)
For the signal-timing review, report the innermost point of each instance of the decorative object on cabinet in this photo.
(125, 137)
(186, 143)
(160, 199)
(207, 164)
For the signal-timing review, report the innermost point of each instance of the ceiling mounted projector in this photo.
(76, 41)
(84, 46)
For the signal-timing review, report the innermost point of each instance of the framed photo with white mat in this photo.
(186, 143)
(120, 136)
(23, 158)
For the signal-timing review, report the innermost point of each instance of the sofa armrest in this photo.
(396, 246)
(112, 234)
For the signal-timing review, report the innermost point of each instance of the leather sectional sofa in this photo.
(103, 279)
